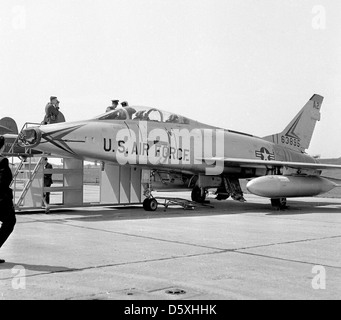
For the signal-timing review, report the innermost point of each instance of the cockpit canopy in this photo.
(143, 114)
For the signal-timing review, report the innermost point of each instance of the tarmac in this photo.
(232, 251)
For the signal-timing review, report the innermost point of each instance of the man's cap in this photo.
(52, 98)
(115, 101)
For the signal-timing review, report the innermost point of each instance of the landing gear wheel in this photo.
(150, 204)
(222, 194)
(197, 195)
(280, 203)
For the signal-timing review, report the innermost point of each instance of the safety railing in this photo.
(25, 126)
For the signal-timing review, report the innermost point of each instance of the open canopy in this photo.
(143, 114)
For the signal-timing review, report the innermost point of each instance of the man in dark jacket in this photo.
(7, 213)
(51, 111)
(47, 183)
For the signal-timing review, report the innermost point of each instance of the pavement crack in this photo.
(286, 259)
(216, 249)
(286, 242)
(134, 235)
(203, 246)
(109, 265)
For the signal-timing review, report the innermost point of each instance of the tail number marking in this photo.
(292, 141)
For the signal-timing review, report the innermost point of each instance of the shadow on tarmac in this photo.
(135, 212)
(305, 207)
(33, 267)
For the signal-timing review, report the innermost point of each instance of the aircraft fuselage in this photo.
(178, 147)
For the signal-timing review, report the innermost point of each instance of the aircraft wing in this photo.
(251, 163)
(10, 136)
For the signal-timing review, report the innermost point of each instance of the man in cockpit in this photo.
(130, 110)
(173, 118)
(114, 104)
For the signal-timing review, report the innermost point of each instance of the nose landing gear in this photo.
(150, 204)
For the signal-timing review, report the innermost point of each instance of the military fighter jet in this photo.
(185, 153)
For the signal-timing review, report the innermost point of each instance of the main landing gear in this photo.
(279, 203)
(198, 194)
(230, 186)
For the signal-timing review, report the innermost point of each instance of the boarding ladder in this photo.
(28, 169)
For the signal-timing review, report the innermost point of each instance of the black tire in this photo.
(280, 203)
(222, 194)
(222, 197)
(197, 196)
(146, 204)
(153, 204)
(150, 204)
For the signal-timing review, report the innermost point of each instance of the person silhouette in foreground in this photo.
(7, 212)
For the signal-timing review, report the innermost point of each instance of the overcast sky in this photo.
(244, 65)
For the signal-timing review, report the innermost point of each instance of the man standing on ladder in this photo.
(52, 113)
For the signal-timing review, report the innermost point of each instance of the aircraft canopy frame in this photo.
(140, 113)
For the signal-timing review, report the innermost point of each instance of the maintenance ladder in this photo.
(23, 178)
(28, 183)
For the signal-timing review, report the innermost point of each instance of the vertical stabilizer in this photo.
(298, 133)
(8, 125)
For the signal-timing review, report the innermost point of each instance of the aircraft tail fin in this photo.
(298, 133)
(8, 125)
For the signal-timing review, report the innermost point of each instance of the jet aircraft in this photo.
(184, 153)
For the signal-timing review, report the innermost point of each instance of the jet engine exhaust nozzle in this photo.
(29, 138)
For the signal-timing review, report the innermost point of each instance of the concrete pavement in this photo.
(232, 251)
